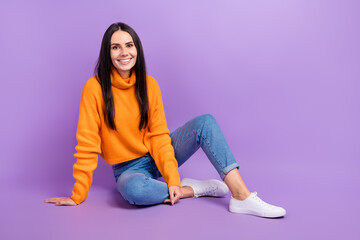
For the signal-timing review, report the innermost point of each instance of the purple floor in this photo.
(317, 208)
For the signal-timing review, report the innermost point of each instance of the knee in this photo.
(207, 120)
(132, 187)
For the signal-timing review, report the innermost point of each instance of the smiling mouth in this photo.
(125, 60)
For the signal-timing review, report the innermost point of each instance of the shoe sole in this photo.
(245, 211)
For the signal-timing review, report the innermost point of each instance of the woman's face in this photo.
(123, 52)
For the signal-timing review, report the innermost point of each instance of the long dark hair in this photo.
(103, 70)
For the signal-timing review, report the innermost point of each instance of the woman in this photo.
(122, 118)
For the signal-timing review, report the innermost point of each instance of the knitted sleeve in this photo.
(157, 137)
(89, 142)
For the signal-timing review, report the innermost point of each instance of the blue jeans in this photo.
(136, 179)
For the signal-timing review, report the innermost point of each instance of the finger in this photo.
(172, 197)
(51, 200)
(61, 203)
(166, 200)
(177, 197)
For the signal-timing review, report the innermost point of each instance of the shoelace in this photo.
(256, 198)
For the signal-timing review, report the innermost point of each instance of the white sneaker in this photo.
(212, 187)
(255, 206)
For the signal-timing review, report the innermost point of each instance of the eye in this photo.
(130, 45)
(115, 47)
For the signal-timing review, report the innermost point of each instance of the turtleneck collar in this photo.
(122, 83)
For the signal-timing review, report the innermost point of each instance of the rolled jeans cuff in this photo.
(227, 169)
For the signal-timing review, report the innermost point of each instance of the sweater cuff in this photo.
(77, 200)
(173, 177)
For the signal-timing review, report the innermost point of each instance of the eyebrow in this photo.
(119, 44)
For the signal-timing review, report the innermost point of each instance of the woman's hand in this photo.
(175, 194)
(61, 201)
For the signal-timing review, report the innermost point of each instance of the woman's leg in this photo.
(203, 131)
(136, 181)
(139, 189)
(236, 185)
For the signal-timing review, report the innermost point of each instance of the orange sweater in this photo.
(94, 137)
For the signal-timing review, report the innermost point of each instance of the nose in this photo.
(123, 52)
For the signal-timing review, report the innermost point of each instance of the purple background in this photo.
(280, 77)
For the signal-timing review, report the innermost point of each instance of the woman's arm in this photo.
(157, 138)
(88, 148)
